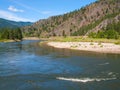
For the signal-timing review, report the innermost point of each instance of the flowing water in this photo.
(27, 65)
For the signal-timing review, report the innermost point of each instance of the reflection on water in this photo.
(27, 65)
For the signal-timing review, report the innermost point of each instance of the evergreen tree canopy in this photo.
(8, 33)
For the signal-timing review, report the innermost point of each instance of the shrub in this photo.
(109, 34)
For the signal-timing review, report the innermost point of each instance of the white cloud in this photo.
(25, 6)
(13, 9)
(11, 16)
(46, 12)
(31, 8)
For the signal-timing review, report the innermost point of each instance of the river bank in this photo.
(8, 40)
(88, 46)
(26, 38)
(31, 38)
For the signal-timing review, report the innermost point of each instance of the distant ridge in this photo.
(92, 18)
(12, 24)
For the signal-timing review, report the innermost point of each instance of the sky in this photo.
(34, 10)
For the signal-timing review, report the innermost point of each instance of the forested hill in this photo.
(100, 15)
(11, 29)
(11, 24)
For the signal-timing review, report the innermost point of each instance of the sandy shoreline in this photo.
(88, 46)
(31, 38)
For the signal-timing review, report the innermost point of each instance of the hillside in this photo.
(12, 24)
(92, 18)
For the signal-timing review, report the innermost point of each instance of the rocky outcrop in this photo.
(93, 17)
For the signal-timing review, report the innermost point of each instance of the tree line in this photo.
(11, 33)
(112, 31)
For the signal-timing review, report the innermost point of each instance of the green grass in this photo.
(91, 43)
(117, 43)
(3, 40)
(74, 46)
(101, 46)
(8, 40)
(81, 39)
(99, 43)
(65, 39)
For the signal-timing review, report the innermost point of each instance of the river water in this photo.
(27, 65)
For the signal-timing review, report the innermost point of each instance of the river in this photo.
(27, 65)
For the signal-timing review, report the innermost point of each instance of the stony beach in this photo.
(88, 46)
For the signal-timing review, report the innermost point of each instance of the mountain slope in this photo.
(93, 17)
(12, 24)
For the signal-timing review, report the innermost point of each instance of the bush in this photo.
(109, 34)
(10, 33)
(92, 35)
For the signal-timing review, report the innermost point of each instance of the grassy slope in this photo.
(82, 39)
(8, 40)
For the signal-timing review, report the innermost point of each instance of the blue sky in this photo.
(33, 10)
